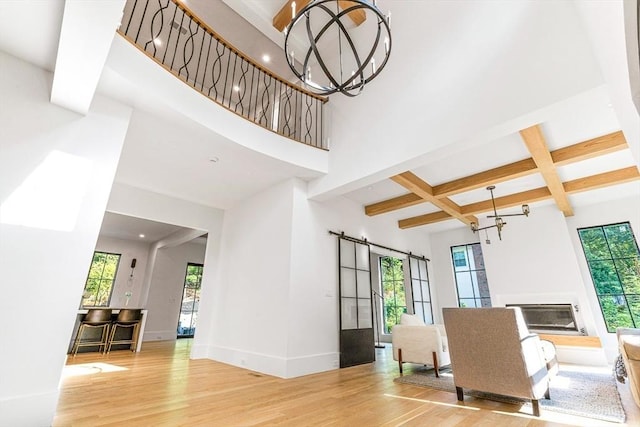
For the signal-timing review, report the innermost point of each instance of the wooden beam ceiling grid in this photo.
(420, 188)
(619, 176)
(567, 155)
(537, 146)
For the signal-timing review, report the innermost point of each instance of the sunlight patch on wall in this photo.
(51, 196)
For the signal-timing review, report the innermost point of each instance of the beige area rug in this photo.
(586, 394)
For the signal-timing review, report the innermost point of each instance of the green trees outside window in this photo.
(614, 262)
(395, 303)
(102, 275)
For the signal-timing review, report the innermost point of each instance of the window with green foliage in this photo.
(614, 262)
(471, 277)
(395, 303)
(102, 275)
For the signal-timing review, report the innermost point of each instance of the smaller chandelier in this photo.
(329, 53)
(498, 219)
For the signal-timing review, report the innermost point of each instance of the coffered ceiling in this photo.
(543, 162)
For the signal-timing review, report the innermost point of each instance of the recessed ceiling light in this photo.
(266, 58)
(157, 41)
(236, 88)
(141, 236)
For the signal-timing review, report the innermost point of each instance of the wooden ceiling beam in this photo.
(601, 180)
(589, 149)
(358, 16)
(283, 17)
(537, 146)
(482, 179)
(593, 182)
(529, 196)
(417, 186)
(430, 218)
(389, 205)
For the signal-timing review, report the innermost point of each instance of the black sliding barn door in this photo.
(356, 317)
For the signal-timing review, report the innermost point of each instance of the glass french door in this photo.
(420, 288)
(190, 301)
(356, 316)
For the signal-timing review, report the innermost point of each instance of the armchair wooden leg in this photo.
(400, 360)
(435, 364)
(536, 407)
(460, 393)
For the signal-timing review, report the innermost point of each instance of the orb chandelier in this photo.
(498, 219)
(330, 53)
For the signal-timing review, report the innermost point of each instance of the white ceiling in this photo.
(130, 228)
(170, 154)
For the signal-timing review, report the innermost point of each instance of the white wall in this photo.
(126, 279)
(535, 263)
(57, 169)
(276, 307)
(165, 293)
(251, 299)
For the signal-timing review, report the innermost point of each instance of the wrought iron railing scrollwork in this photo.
(171, 34)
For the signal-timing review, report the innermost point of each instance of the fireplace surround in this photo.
(550, 318)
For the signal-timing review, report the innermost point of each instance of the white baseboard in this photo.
(31, 410)
(159, 335)
(199, 351)
(274, 365)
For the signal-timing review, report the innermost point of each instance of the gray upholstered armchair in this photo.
(492, 350)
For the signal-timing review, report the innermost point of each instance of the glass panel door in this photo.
(420, 289)
(190, 301)
(356, 316)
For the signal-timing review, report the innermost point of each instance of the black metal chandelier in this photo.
(499, 221)
(329, 53)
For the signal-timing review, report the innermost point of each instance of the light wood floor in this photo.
(160, 386)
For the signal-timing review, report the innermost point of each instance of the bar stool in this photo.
(128, 318)
(96, 318)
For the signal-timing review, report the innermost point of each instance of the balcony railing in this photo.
(173, 36)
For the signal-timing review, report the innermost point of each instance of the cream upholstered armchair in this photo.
(493, 351)
(415, 342)
(629, 344)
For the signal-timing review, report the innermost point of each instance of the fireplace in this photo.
(549, 318)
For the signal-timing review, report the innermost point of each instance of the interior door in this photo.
(356, 314)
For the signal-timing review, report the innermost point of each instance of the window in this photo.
(471, 278)
(459, 258)
(102, 275)
(392, 278)
(614, 262)
(190, 300)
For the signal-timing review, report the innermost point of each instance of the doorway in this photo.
(190, 301)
